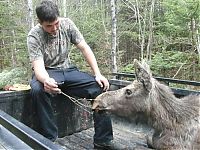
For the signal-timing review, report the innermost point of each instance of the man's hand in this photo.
(51, 86)
(102, 81)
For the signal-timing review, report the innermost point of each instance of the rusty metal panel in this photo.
(69, 117)
(12, 102)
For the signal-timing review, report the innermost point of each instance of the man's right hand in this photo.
(51, 86)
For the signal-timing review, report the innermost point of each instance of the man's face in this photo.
(51, 27)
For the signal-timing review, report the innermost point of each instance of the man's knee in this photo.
(94, 90)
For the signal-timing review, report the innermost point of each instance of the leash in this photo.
(76, 102)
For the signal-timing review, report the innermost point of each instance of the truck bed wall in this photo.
(69, 117)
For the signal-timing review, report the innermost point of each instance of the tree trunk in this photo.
(64, 8)
(141, 35)
(30, 14)
(114, 37)
(103, 16)
(14, 49)
(149, 45)
(193, 33)
(198, 43)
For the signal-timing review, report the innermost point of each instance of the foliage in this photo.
(176, 64)
(13, 29)
(13, 76)
(172, 64)
(78, 60)
(128, 68)
(175, 23)
(93, 24)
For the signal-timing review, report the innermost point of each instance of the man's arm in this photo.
(90, 58)
(50, 85)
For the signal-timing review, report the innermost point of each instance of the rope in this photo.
(76, 101)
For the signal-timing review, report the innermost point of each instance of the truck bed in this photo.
(9, 141)
(126, 133)
(133, 137)
(19, 123)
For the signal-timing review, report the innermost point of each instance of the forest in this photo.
(164, 32)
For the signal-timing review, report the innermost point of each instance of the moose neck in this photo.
(166, 111)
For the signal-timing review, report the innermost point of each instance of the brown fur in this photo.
(176, 121)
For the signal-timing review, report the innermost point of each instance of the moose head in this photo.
(130, 99)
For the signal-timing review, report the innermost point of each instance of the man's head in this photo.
(48, 13)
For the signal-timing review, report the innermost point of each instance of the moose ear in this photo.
(143, 74)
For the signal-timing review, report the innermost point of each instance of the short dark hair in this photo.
(47, 11)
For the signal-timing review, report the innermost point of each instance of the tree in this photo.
(30, 16)
(114, 36)
(117, 31)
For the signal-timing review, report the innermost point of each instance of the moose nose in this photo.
(95, 104)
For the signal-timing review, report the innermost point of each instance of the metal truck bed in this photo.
(10, 141)
(78, 134)
(19, 124)
(16, 135)
(129, 138)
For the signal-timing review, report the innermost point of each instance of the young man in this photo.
(48, 45)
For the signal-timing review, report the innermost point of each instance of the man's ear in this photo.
(143, 74)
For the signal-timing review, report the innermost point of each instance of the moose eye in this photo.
(128, 92)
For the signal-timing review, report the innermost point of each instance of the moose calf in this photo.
(176, 122)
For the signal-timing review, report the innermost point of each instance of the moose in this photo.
(176, 121)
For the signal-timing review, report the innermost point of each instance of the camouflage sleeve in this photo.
(34, 48)
(74, 33)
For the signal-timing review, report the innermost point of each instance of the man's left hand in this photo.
(103, 82)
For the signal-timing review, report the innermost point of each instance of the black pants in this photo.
(78, 84)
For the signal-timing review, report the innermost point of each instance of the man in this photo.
(48, 45)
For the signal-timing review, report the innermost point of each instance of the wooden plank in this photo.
(84, 140)
(70, 142)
